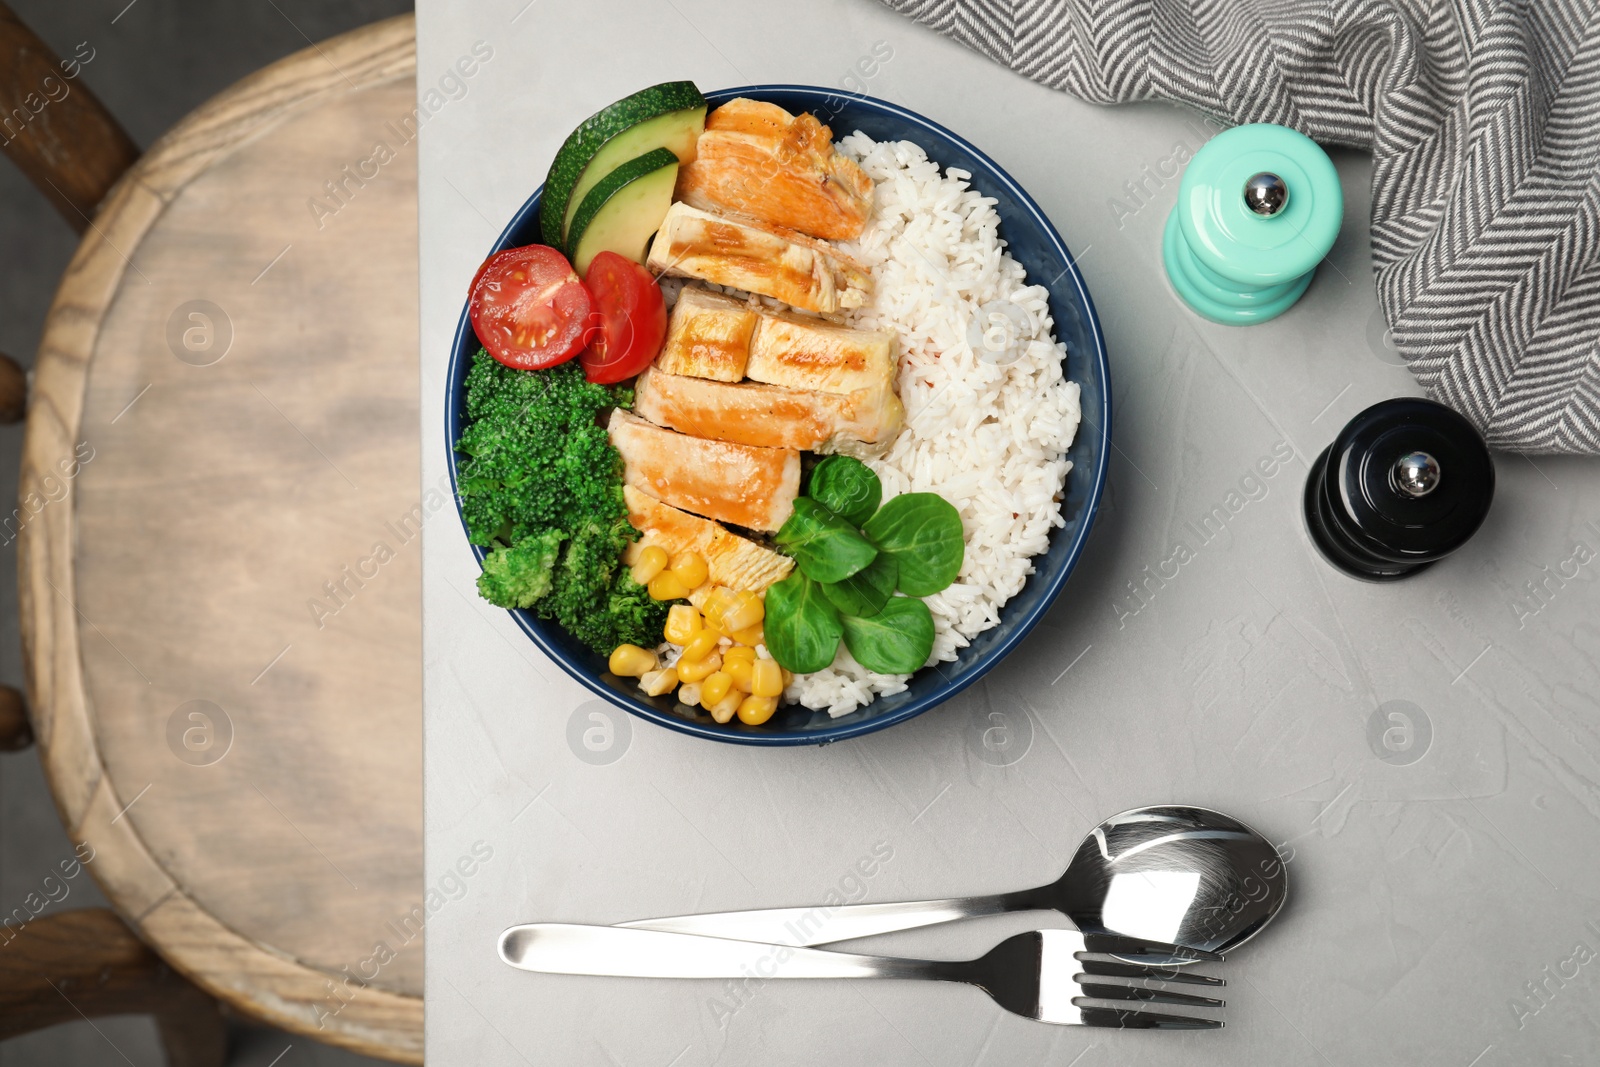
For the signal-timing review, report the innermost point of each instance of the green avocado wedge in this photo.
(625, 210)
(670, 115)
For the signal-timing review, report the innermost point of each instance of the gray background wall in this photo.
(154, 61)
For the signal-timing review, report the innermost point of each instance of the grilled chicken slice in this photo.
(770, 416)
(709, 336)
(757, 159)
(731, 560)
(804, 353)
(741, 253)
(741, 484)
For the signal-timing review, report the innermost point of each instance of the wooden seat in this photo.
(219, 569)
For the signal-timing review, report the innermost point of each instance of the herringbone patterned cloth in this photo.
(1483, 118)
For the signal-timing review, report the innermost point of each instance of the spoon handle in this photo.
(824, 924)
(565, 948)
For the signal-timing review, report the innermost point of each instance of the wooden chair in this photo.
(222, 424)
(87, 963)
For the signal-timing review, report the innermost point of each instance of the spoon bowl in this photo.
(1173, 873)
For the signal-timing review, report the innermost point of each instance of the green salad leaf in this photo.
(845, 578)
(802, 629)
(867, 590)
(922, 533)
(824, 546)
(847, 487)
(897, 640)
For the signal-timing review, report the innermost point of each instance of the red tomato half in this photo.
(528, 307)
(630, 318)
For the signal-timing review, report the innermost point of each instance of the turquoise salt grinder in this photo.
(1258, 208)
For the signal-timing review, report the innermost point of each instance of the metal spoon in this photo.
(1176, 874)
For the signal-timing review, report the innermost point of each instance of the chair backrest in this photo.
(52, 126)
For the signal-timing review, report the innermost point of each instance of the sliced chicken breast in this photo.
(734, 561)
(804, 353)
(739, 252)
(709, 336)
(770, 416)
(757, 159)
(740, 484)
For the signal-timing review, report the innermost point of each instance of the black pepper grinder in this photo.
(1405, 484)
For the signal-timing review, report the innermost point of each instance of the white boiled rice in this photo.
(989, 438)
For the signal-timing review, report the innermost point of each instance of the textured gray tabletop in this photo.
(1427, 753)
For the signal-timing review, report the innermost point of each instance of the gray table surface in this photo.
(1427, 752)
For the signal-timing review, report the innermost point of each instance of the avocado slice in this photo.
(624, 210)
(670, 115)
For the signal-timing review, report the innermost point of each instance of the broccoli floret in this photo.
(596, 599)
(516, 576)
(632, 616)
(542, 483)
(537, 456)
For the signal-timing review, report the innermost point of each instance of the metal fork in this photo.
(1046, 975)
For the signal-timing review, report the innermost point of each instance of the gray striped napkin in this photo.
(1483, 118)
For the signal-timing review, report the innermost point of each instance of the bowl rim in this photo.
(1019, 629)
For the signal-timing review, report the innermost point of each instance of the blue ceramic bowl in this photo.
(1036, 245)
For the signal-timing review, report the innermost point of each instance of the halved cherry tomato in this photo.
(529, 308)
(630, 318)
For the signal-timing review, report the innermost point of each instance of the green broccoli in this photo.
(595, 597)
(543, 486)
(632, 615)
(516, 576)
(537, 456)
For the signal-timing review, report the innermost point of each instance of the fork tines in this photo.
(1145, 984)
(1117, 1018)
(1118, 969)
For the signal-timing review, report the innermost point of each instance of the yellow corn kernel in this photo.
(665, 586)
(717, 601)
(766, 678)
(740, 670)
(723, 710)
(689, 694)
(682, 622)
(700, 670)
(631, 661)
(752, 636)
(788, 679)
(753, 711)
(744, 652)
(651, 562)
(715, 687)
(690, 567)
(701, 645)
(744, 611)
(656, 683)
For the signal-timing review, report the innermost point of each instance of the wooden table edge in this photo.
(253, 978)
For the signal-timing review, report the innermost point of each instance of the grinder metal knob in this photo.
(1403, 485)
(1416, 474)
(1266, 193)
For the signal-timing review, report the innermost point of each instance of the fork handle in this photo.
(566, 948)
(824, 925)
